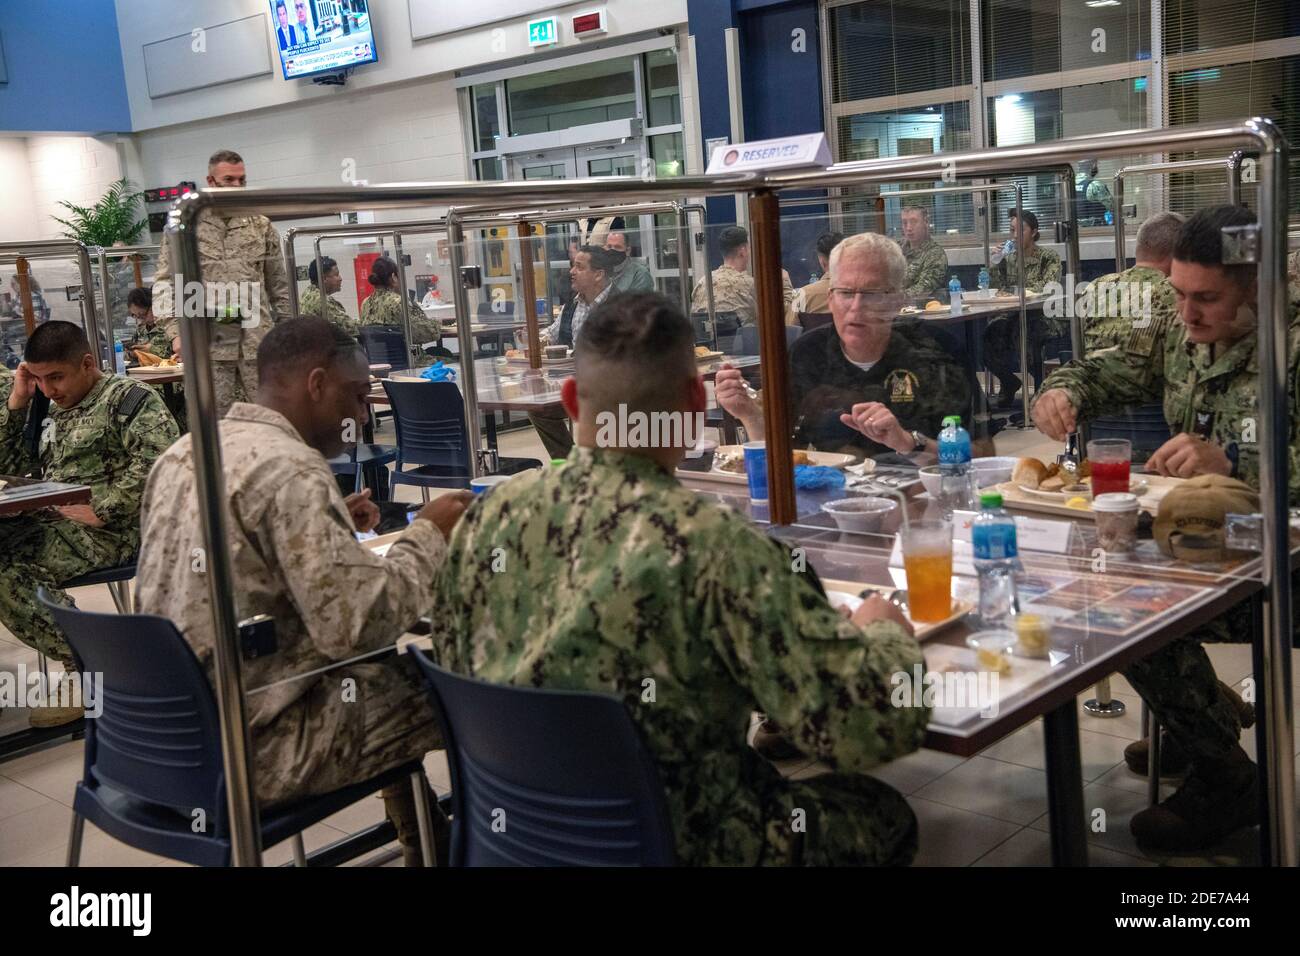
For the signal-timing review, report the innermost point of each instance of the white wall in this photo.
(38, 172)
(400, 58)
(17, 212)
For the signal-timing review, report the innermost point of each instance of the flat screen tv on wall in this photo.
(322, 36)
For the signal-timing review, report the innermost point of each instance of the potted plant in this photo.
(111, 220)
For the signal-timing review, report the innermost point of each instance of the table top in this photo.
(978, 309)
(518, 388)
(31, 494)
(167, 377)
(1103, 615)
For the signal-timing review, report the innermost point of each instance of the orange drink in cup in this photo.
(927, 560)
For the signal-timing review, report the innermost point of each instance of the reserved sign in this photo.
(810, 149)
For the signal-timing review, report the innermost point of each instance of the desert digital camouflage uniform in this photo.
(927, 268)
(604, 573)
(1113, 302)
(733, 291)
(232, 249)
(1216, 398)
(108, 441)
(153, 339)
(295, 556)
(384, 307)
(309, 304)
(1293, 275)
(814, 298)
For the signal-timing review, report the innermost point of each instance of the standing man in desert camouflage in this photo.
(246, 288)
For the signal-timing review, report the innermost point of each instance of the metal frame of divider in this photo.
(11, 252)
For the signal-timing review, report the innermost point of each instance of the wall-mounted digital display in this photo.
(322, 36)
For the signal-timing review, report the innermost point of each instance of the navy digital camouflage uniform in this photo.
(605, 574)
(309, 303)
(1114, 302)
(927, 266)
(153, 339)
(1002, 336)
(108, 441)
(1215, 397)
(384, 307)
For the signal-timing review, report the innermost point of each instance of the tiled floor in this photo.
(989, 810)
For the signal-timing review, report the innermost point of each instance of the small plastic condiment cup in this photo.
(1117, 521)
(481, 486)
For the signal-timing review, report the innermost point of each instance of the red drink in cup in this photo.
(1109, 460)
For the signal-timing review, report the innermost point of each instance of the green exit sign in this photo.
(543, 32)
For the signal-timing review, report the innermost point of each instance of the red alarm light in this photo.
(589, 24)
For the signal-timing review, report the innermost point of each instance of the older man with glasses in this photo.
(871, 383)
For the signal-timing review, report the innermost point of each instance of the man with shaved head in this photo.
(615, 574)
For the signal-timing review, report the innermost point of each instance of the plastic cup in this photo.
(756, 469)
(481, 486)
(1109, 460)
(927, 561)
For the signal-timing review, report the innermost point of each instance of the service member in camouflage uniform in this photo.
(815, 297)
(1115, 302)
(733, 286)
(295, 557)
(1205, 368)
(384, 307)
(1002, 337)
(927, 263)
(244, 279)
(104, 431)
(605, 574)
(309, 303)
(870, 383)
(149, 333)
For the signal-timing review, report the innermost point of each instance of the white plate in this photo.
(839, 597)
(144, 371)
(824, 458)
(1137, 486)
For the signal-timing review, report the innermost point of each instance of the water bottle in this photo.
(119, 358)
(954, 467)
(954, 295)
(993, 541)
(984, 279)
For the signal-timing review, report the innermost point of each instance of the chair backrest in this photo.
(814, 320)
(547, 777)
(430, 421)
(158, 737)
(747, 341)
(385, 344)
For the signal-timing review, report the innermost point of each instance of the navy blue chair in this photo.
(385, 344)
(153, 757)
(546, 777)
(814, 320)
(728, 323)
(356, 459)
(118, 580)
(431, 435)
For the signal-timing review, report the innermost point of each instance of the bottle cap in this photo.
(954, 420)
(558, 461)
(990, 499)
(1115, 502)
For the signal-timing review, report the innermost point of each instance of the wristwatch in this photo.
(920, 441)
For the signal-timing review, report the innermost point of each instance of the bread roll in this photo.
(1029, 472)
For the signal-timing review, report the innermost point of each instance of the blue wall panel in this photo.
(65, 68)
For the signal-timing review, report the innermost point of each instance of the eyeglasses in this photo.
(869, 297)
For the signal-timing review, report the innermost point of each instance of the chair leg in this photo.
(115, 591)
(299, 851)
(74, 839)
(422, 818)
(424, 493)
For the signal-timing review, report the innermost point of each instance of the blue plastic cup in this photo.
(541, 307)
(481, 486)
(756, 469)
